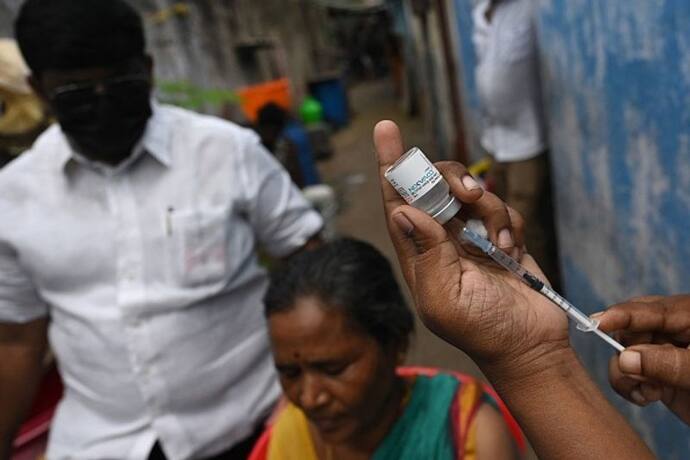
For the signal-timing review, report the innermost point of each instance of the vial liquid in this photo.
(422, 186)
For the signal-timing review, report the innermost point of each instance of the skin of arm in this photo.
(494, 441)
(516, 336)
(22, 348)
(561, 410)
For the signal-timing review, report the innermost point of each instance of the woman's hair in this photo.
(351, 276)
(73, 34)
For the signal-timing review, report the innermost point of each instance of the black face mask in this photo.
(104, 120)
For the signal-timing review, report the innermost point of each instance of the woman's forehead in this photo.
(312, 325)
(309, 316)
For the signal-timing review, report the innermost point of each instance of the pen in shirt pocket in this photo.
(168, 221)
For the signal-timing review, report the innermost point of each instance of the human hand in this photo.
(462, 297)
(656, 364)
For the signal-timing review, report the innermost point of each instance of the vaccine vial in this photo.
(422, 186)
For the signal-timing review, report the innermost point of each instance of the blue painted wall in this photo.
(617, 86)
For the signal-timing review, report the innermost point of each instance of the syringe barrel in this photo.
(583, 322)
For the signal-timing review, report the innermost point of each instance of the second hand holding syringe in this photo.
(422, 186)
(582, 321)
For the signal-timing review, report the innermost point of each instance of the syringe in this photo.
(583, 322)
(421, 185)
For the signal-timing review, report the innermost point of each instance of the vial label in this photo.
(414, 176)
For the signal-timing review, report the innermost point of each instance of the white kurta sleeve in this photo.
(281, 217)
(19, 300)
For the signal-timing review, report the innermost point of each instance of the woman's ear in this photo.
(400, 350)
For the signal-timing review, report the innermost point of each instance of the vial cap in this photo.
(448, 211)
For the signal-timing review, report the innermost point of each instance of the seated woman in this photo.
(339, 328)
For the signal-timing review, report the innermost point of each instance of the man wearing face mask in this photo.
(127, 240)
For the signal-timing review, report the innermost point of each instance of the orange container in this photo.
(252, 98)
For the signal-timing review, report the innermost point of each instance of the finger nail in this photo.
(638, 398)
(505, 239)
(515, 254)
(597, 315)
(403, 223)
(630, 362)
(469, 183)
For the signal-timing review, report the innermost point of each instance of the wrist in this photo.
(541, 363)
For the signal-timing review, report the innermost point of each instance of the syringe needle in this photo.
(608, 339)
(584, 323)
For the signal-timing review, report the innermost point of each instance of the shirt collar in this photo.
(155, 142)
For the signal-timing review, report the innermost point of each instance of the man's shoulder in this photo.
(33, 165)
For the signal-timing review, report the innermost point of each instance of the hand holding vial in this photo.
(515, 334)
(494, 317)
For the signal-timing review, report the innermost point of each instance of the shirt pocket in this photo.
(198, 246)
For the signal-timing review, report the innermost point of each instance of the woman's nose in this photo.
(312, 395)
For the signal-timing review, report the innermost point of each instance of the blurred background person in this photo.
(287, 139)
(340, 328)
(514, 131)
(22, 117)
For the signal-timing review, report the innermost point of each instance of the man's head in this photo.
(271, 120)
(88, 62)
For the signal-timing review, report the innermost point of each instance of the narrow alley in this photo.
(362, 216)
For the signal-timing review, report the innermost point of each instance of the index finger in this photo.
(645, 316)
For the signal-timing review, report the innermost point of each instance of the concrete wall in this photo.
(196, 41)
(617, 86)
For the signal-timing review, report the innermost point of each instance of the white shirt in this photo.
(508, 81)
(149, 274)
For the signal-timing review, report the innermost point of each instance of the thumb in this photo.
(665, 364)
(426, 233)
(437, 271)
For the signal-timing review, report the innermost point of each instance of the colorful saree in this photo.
(437, 424)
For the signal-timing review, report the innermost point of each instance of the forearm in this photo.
(561, 410)
(21, 353)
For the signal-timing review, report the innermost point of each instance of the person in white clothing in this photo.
(514, 131)
(127, 241)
